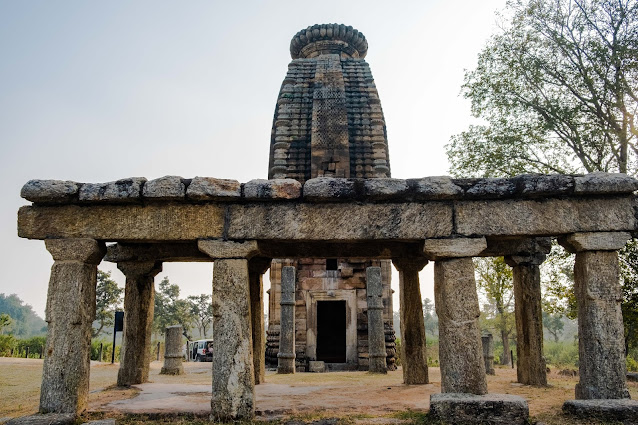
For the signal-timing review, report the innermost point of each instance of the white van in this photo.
(201, 350)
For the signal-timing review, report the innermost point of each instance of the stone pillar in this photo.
(456, 302)
(173, 351)
(139, 303)
(413, 355)
(376, 331)
(70, 312)
(286, 356)
(601, 353)
(256, 269)
(233, 370)
(488, 353)
(530, 364)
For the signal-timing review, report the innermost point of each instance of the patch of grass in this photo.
(415, 417)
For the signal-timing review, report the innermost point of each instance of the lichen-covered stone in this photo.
(623, 411)
(212, 189)
(383, 189)
(165, 188)
(436, 249)
(44, 419)
(469, 409)
(491, 188)
(530, 185)
(124, 190)
(272, 189)
(460, 346)
(595, 241)
(327, 189)
(604, 183)
(439, 187)
(50, 191)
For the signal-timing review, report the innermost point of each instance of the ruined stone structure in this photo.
(329, 122)
(242, 227)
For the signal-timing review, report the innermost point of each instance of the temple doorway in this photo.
(331, 331)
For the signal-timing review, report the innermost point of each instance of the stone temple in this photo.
(327, 222)
(328, 123)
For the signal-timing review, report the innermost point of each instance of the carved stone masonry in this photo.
(286, 355)
(376, 334)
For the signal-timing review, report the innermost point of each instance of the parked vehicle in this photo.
(201, 350)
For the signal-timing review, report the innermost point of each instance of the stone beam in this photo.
(165, 252)
(595, 241)
(504, 246)
(436, 249)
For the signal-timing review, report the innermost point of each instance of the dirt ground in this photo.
(338, 394)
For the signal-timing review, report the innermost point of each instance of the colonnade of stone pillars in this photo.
(286, 356)
(70, 312)
(256, 269)
(601, 351)
(376, 331)
(530, 364)
(413, 355)
(233, 369)
(139, 304)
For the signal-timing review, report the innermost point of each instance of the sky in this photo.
(98, 91)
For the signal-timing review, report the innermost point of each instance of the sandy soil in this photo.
(336, 393)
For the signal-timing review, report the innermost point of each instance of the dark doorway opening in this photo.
(331, 331)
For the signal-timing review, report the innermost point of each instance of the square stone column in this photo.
(531, 368)
(413, 355)
(139, 304)
(256, 269)
(233, 369)
(376, 331)
(601, 342)
(70, 312)
(456, 302)
(286, 356)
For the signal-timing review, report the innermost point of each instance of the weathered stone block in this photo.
(604, 183)
(544, 185)
(436, 249)
(382, 189)
(543, 217)
(46, 419)
(439, 187)
(165, 188)
(218, 249)
(465, 409)
(124, 190)
(173, 351)
(316, 366)
(326, 189)
(272, 189)
(491, 189)
(595, 241)
(50, 191)
(624, 411)
(211, 189)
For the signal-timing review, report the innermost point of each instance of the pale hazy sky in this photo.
(98, 91)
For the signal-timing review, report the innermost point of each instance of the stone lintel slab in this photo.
(614, 410)
(340, 221)
(544, 217)
(165, 252)
(436, 249)
(461, 408)
(521, 246)
(219, 249)
(595, 241)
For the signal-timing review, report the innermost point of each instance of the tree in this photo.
(5, 321)
(202, 310)
(557, 90)
(24, 321)
(629, 275)
(170, 309)
(430, 317)
(554, 324)
(108, 298)
(494, 278)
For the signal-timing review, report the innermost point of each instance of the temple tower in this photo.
(328, 122)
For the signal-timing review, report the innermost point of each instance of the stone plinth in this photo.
(70, 312)
(286, 356)
(460, 347)
(173, 351)
(624, 411)
(316, 366)
(466, 409)
(376, 331)
(413, 356)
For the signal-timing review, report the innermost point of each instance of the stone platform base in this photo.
(623, 410)
(458, 408)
